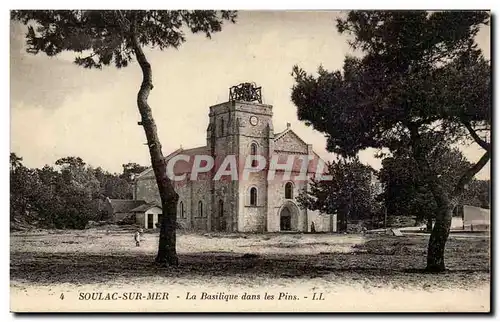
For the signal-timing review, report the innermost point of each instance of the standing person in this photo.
(137, 237)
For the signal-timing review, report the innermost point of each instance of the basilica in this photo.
(242, 127)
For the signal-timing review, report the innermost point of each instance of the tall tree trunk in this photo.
(441, 229)
(438, 238)
(340, 221)
(429, 223)
(167, 254)
(445, 202)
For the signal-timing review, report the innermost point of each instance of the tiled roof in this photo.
(125, 205)
(144, 208)
(195, 151)
(182, 167)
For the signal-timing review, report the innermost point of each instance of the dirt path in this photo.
(361, 273)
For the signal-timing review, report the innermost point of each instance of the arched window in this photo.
(221, 208)
(253, 151)
(221, 127)
(181, 209)
(289, 190)
(200, 209)
(253, 196)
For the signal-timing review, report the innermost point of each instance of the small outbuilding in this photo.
(147, 215)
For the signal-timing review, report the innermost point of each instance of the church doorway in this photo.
(285, 219)
(289, 217)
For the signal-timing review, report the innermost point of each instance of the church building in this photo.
(242, 127)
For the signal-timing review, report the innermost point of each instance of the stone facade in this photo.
(251, 202)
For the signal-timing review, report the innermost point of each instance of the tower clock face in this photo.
(254, 120)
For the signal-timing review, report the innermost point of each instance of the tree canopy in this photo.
(406, 193)
(348, 194)
(418, 68)
(100, 36)
(66, 195)
(420, 77)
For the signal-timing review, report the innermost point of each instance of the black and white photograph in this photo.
(186, 161)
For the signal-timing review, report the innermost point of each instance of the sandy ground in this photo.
(353, 273)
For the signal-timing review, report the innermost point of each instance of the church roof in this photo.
(186, 166)
(194, 151)
(291, 134)
(279, 134)
(201, 150)
(189, 152)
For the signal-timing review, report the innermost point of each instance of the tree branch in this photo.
(470, 173)
(123, 21)
(147, 81)
(482, 143)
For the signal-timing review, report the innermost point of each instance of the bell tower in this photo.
(238, 128)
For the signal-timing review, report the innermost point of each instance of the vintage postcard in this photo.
(250, 161)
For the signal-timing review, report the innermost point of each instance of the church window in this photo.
(181, 209)
(221, 127)
(288, 190)
(221, 208)
(253, 196)
(253, 151)
(200, 209)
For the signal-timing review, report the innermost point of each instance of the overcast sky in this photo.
(59, 109)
